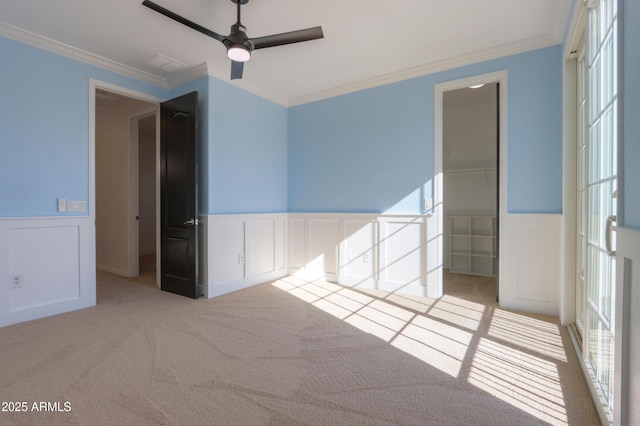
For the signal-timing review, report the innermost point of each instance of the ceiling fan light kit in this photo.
(239, 45)
(238, 53)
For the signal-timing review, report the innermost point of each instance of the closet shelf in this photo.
(472, 245)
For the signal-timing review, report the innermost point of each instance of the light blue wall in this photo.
(243, 151)
(630, 102)
(247, 152)
(44, 137)
(362, 152)
(372, 151)
(44, 128)
(368, 151)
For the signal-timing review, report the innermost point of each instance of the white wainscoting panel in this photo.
(435, 253)
(530, 262)
(627, 331)
(324, 241)
(31, 251)
(359, 253)
(403, 254)
(243, 250)
(226, 246)
(280, 243)
(299, 244)
(56, 262)
(364, 250)
(265, 245)
(260, 247)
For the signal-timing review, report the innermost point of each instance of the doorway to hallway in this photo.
(125, 182)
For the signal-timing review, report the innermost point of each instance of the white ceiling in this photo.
(367, 42)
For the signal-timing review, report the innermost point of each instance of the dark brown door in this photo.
(179, 195)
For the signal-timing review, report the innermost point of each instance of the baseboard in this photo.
(113, 271)
(229, 287)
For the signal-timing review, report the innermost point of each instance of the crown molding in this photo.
(258, 91)
(207, 69)
(431, 68)
(575, 30)
(50, 45)
(183, 77)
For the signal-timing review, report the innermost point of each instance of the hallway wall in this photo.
(114, 221)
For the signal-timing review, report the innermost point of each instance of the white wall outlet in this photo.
(16, 280)
(428, 203)
(62, 205)
(241, 258)
(365, 258)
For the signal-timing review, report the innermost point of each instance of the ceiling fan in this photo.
(239, 45)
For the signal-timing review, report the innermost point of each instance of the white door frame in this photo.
(93, 86)
(438, 169)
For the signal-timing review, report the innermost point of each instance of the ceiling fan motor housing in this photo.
(239, 36)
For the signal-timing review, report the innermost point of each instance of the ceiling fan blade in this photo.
(288, 38)
(236, 70)
(185, 21)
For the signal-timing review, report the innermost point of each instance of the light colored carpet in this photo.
(293, 352)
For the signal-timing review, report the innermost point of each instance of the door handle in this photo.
(192, 222)
(607, 236)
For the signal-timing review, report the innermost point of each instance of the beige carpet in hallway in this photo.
(292, 352)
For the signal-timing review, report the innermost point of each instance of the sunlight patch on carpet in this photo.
(460, 312)
(527, 382)
(433, 341)
(439, 345)
(540, 336)
(512, 357)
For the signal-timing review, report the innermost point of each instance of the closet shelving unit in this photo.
(472, 245)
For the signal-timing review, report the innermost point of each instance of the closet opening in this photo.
(470, 165)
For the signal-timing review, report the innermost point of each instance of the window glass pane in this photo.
(594, 91)
(594, 216)
(581, 82)
(606, 145)
(600, 353)
(607, 275)
(594, 34)
(605, 16)
(614, 140)
(582, 159)
(593, 270)
(594, 153)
